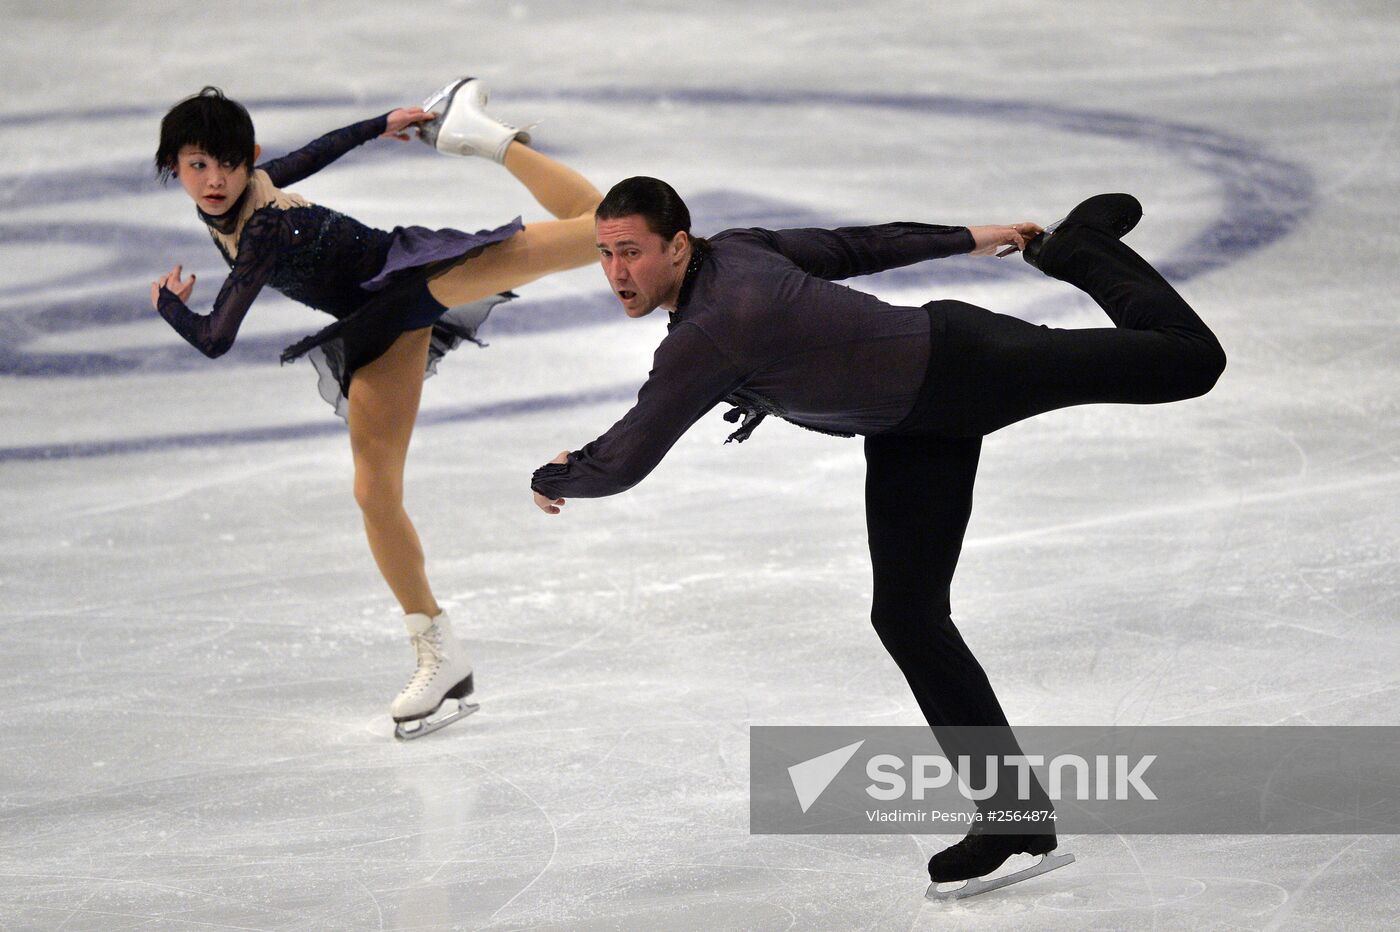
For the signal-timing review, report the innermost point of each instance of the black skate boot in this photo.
(1113, 214)
(980, 853)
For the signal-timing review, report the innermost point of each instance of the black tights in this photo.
(987, 371)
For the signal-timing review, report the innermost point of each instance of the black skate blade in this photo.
(1012, 250)
(418, 728)
(1126, 224)
(976, 885)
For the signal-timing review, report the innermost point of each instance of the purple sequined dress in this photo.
(374, 282)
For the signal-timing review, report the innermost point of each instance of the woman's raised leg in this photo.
(541, 248)
(384, 397)
(558, 188)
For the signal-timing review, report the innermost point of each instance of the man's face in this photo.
(644, 270)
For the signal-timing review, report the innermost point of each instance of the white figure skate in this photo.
(463, 126)
(444, 673)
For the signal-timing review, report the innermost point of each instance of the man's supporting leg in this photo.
(918, 498)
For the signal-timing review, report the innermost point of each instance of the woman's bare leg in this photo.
(384, 398)
(541, 248)
(559, 189)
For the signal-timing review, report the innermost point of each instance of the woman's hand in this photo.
(987, 240)
(404, 117)
(171, 282)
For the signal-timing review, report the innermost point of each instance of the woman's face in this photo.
(212, 184)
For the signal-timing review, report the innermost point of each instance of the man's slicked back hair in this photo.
(653, 200)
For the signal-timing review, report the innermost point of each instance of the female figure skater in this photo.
(401, 300)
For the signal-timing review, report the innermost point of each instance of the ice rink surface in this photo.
(197, 655)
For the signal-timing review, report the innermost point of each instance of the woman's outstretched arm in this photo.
(319, 153)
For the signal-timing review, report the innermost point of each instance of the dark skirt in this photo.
(415, 247)
(401, 302)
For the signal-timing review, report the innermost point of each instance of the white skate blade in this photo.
(438, 103)
(417, 728)
(444, 93)
(976, 885)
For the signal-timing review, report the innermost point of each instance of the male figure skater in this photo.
(757, 322)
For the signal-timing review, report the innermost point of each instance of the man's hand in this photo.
(401, 119)
(171, 281)
(987, 240)
(551, 506)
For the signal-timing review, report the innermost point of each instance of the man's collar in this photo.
(699, 250)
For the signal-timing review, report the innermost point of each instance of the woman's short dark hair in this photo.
(652, 199)
(209, 120)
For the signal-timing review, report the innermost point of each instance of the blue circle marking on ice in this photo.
(1262, 197)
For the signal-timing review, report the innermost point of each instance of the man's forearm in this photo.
(850, 251)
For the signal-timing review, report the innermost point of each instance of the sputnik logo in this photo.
(811, 777)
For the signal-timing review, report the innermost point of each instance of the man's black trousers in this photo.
(986, 371)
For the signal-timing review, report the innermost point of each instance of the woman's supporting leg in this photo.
(384, 398)
(541, 248)
(918, 498)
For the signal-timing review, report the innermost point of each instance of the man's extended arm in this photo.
(689, 376)
(849, 251)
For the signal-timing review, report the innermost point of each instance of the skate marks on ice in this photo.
(1263, 197)
(1193, 882)
(1243, 900)
(1114, 900)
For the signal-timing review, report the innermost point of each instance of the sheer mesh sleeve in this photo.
(851, 251)
(689, 376)
(319, 153)
(266, 234)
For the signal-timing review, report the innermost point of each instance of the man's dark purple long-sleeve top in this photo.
(758, 314)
